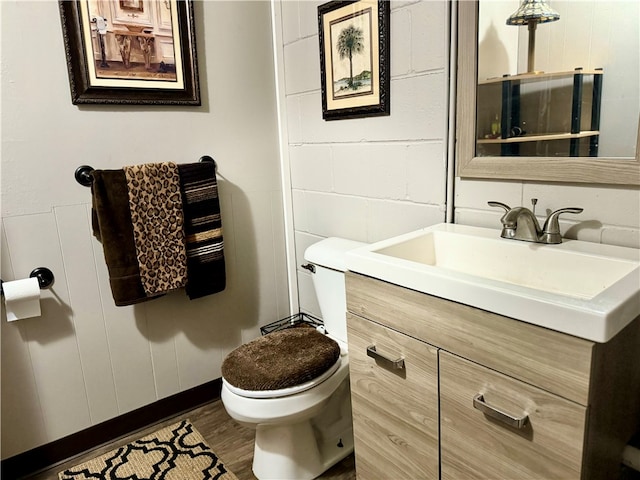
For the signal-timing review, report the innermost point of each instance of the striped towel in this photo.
(157, 218)
(203, 229)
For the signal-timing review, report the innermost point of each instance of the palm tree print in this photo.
(350, 42)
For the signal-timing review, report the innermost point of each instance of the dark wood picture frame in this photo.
(86, 89)
(350, 31)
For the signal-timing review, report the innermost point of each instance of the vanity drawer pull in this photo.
(397, 364)
(479, 404)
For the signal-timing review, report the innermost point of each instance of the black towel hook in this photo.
(45, 277)
(83, 175)
(207, 158)
(84, 178)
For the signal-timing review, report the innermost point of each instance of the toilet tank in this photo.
(328, 256)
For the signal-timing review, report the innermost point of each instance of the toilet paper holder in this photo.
(44, 275)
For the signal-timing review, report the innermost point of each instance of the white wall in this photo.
(497, 41)
(371, 178)
(85, 360)
(611, 214)
(596, 34)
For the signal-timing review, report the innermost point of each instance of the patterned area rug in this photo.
(176, 452)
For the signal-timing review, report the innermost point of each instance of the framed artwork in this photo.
(136, 52)
(132, 5)
(354, 58)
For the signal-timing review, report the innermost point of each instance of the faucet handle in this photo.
(499, 204)
(551, 228)
(568, 210)
(508, 230)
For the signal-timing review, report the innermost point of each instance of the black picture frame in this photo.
(168, 84)
(359, 28)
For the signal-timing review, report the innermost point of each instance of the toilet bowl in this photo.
(298, 436)
(303, 425)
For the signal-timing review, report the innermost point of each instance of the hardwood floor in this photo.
(232, 442)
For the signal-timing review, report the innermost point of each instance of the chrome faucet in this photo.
(520, 223)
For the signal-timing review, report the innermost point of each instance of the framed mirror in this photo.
(504, 128)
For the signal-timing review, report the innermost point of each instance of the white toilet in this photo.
(303, 421)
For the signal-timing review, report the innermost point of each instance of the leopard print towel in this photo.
(158, 220)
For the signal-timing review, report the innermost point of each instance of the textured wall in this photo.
(367, 179)
(85, 360)
(611, 214)
(372, 178)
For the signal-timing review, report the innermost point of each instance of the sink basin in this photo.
(580, 288)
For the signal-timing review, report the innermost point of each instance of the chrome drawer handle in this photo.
(397, 364)
(479, 404)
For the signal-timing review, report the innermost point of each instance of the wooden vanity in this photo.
(435, 396)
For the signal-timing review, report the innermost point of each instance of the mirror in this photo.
(508, 127)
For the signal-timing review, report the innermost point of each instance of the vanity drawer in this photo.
(551, 360)
(477, 445)
(395, 410)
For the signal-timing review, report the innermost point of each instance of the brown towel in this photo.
(157, 218)
(203, 229)
(111, 222)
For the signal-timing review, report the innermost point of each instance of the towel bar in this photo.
(83, 172)
(45, 278)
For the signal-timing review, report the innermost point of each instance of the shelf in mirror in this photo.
(537, 107)
(533, 76)
(541, 137)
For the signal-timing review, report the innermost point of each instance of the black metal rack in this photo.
(292, 321)
(512, 135)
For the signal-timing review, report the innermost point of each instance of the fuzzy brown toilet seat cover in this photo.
(281, 359)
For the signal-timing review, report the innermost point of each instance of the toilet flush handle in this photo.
(309, 266)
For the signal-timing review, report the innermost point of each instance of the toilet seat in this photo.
(284, 392)
(281, 363)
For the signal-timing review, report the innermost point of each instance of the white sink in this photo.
(580, 288)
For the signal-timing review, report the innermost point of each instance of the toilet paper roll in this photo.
(22, 298)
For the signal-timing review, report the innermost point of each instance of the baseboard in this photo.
(44, 456)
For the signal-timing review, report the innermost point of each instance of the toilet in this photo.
(292, 385)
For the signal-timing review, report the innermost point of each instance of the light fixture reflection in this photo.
(531, 13)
